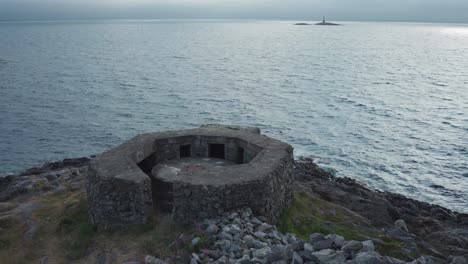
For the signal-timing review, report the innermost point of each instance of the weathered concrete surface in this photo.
(121, 189)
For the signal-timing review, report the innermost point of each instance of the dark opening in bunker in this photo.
(216, 151)
(163, 196)
(240, 155)
(185, 151)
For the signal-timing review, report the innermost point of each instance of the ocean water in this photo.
(384, 103)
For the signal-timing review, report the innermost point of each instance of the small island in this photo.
(323, 23)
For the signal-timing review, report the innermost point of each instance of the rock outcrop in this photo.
(435, 229)
(54, 176)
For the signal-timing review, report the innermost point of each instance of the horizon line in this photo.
(229, 19)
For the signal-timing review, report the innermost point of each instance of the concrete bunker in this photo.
(190, 174)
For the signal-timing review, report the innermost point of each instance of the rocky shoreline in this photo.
(418, 232)
(438, 230)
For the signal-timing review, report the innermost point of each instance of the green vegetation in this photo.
(6, 225)
(75, 230)
(10, 232)
(308, 214)
(66, 234)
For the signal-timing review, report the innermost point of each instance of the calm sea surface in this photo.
(384, 103)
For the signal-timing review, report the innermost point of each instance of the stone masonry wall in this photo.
(117, 203)
(267, 197)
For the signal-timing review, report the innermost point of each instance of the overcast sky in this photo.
(365, 10)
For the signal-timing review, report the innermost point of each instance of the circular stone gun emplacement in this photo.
(191, 175)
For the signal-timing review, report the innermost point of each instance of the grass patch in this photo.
(66, 235)
(308, 214)
(11, 232)
(65, 225)
(75, 230)
(7, 234)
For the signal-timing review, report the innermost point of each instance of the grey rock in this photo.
(298, 245)
(225, 235)
(459, 260)
(423, 260)
(212, 229)
(244, 260)
(262, 253)
(398, 233)
(236, 237)
(237, 221)
(235, 248)
(280, 262)
(307, 253)
(233, 216)
(224, 245)
(196, 257)
(368, 257)
(368, 245)
(44, 260)
(390, 260)
(265, 227)
(352, 246)
(195, 241)
(296, 259)
(290, 238)
(246, 213)
(49, 176)
(193, 261)
(323, 244)
(400, 223)
(152, 260)
(308, 248)
(260, 234)
(316, 237)
(275, 235)
(222, 260)
(337, 240)
(289, 250)
(329, 256)
(60, 189)
(253, 243)
(234, 229)
(256, 221)
(278, 253)
(259, 261)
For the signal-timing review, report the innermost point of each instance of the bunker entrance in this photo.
(162, 191)
(216, 151)
(185, 151)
